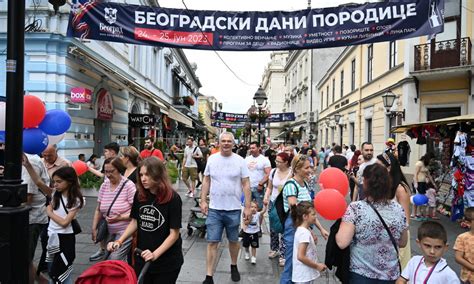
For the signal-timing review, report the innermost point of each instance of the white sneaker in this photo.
(253, 260)
(191, 195)
(247, 256)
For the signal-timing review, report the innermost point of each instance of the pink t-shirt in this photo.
(122, 205)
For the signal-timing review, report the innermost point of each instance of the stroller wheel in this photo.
(190, 231)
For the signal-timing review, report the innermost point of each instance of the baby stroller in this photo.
(112, 271)
(197, 220)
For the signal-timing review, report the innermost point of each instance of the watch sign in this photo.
(139, 120)
(81, 95)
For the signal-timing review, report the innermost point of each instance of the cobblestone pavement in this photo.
(194, 249)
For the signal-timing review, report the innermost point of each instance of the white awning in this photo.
(280, 134)
(179, 116)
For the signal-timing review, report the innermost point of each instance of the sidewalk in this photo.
(194, 250)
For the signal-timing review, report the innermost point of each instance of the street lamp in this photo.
(337, 117)
(260, 98)
(388, 100)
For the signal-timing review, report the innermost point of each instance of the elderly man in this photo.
(225, 176)
(52, 161)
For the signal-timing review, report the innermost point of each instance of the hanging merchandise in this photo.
(404, 153)
(469, 182)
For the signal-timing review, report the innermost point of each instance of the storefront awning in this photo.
(119, 76)
(211, 129)
(280, 134)
(180, 117)
(443, 121)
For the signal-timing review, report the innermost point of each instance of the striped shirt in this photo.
(302, 194)
(122, 205)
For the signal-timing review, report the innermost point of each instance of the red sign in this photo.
(81, 95)
(105, 105)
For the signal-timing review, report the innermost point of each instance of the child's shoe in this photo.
(247, 256)
(253, 260)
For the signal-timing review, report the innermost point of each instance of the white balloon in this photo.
(55, 139)
(3, 111)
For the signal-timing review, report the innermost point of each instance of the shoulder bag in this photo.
(76, 227)
(102, 227)
(389, 234)
(198, 160)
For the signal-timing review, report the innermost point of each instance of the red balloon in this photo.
(33, 111)
(330, 204)
(334, 178)
(80, 167)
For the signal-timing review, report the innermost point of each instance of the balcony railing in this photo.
(442, 54)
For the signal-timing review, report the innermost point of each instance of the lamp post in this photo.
(14, 234)
(388, 99)
(260, 98)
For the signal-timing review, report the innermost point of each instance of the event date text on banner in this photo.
(277, 30)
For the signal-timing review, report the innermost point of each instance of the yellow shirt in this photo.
(465, 243)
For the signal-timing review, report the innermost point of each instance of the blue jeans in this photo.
(288, 238)
(218, 220)
(258, 196)
(359, 279)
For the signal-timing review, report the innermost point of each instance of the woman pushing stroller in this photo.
(156, 215)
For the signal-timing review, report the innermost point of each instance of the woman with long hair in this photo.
(156, 216)
(276, 181)
(400, 191)
(130, 157)
(119, 188)
(353, 168)
(373, 256)
(295, 191)
(67, 200)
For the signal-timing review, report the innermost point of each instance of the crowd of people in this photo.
(237, 185)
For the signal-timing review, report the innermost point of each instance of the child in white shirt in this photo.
(251, 229)
(306, 267)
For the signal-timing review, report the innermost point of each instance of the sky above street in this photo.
(215, 78)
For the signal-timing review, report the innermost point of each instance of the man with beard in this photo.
(150, 150)
(369, 159)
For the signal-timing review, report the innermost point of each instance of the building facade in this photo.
(273, 79)
(124, 79)
(431, 78)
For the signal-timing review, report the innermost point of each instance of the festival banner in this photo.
(277, 30)
(240, 117)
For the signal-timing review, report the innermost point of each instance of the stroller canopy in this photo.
(109, 271)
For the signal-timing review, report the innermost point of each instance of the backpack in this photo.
(277, 215)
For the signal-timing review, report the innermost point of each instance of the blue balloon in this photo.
(34, 140)
(420, 199)
(55, 122)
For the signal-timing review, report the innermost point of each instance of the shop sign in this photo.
(105, 105)
(81, 95)
(139, 120)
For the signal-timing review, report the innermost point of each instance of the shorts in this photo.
(35, 233)
(189, 173)
(250, 240)
(422, 187)
(218, 220)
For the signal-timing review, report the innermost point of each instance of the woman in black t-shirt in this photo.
(156, 216)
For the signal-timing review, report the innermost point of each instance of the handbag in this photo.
(389, 234)
(76, 227)
(198, 160)
(102, 227)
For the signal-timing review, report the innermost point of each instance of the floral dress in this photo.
(372, 252)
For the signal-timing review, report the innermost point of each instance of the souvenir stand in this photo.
(452, 141)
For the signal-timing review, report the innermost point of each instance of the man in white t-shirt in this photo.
(225, 177)
(190, 167)
(259, 168)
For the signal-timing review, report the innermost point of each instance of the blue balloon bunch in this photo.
(420, 199)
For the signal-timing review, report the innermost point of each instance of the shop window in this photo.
(351, 133)
(368, 130)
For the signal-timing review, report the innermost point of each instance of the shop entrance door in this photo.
(102, 135)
